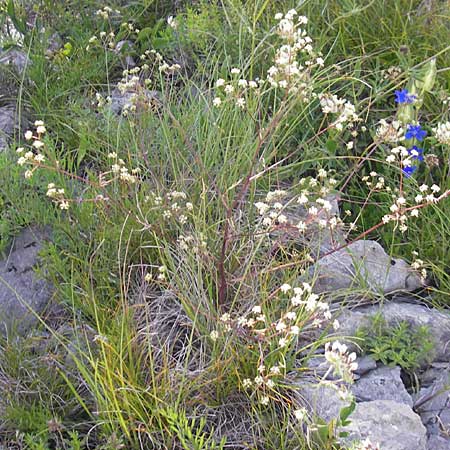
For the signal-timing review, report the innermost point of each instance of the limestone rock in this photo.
(16, 59)
(394, 426)
(429, 376)
(365, 364)
(7, 125)
(433, 405)
(438, 323)
(21, 290)
(438, 443)
(363, 265)
(321, 400)
(318, 240)
(54, 44)
(121, 101)
(383, 383)
(124, 48)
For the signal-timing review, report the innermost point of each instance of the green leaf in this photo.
(331, 145)
(145, 34)
(346, 412)
(67, 50)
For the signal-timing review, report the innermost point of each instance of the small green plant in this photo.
(398, 345)
(190, 432)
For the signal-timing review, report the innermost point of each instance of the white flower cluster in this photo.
(108, 40)
(161, 276)
(419, 266)
(33, 157)
(390, 132)
(58, 196)
(106, 12)
(172, 206)
(304, 311)
(118, 168)
(400, 155)
(400, 209)
(271, 209)
(342, 362)
(392, 73)
(192, 243)
(313, 197)
(442, 133)
(332, 104)
(237, 89)
(171, 21)
(265, 381)
(287, 72)
(135, 81)
(376, 182)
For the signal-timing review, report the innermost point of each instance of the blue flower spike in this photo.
(404, 96)
(416, 153)
(415, 132)
(409, 170)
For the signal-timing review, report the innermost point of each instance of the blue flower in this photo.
(404, 96)
(409, 170)
(415, 131)
(416, 153)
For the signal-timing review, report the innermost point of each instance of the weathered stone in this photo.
(73, 343)
(54, 44)
(430, 375)
(363, 265)
(319, 367)
(16, 59)
(124, 48)
(317, 239)
(321, 400)
(22, 293)
(394, 426)
(7, 125)
(365, 364)
(438, 443)
(120, 101)
(437, 323)
(433, 405)
(383, 383)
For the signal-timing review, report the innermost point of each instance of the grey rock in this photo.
(22, 293)
(383, 383)
(16, 59)
(430, 375)
(320, 399)
(120, 101)
(54, 44)
(394, 426)
(363, 265)
(318, 367)
(438, 443)
(438, 323)
(7, 125)
(74, 343)
(318, 240)
(124, 48)
(365, 364)
(433, 405)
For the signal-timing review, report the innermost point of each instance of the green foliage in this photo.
(398, 345)
(191, 432)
